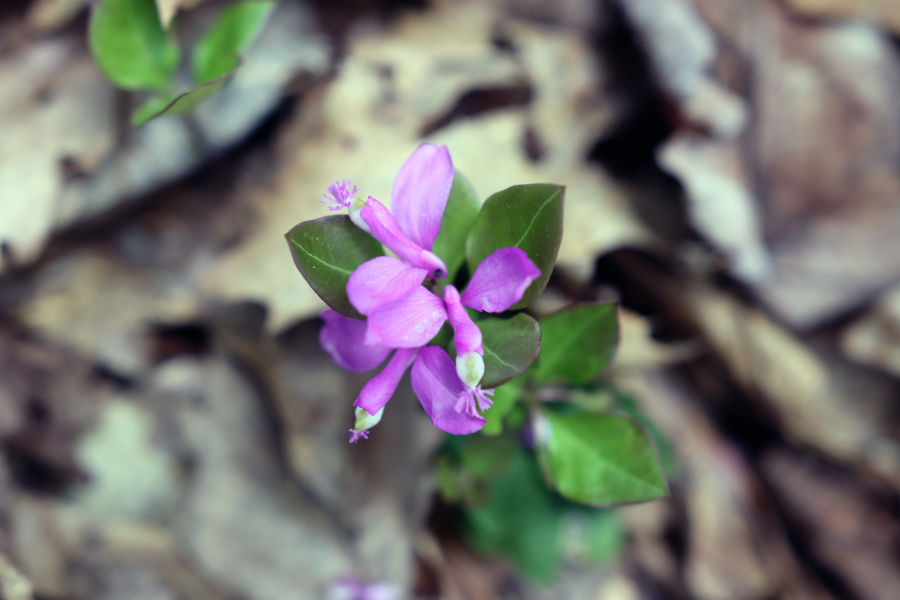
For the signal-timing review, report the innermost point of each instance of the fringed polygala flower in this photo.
(402, 312)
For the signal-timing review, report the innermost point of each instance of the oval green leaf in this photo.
(510, 346)
(529, 217)
(218, 51)
(461, 211)
(130, 45)
(576, 344)
(327, 251)
(599, 459)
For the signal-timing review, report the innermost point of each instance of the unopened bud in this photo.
(470, 368)
(366, 421)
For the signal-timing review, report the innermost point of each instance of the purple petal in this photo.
(384, 228)
(500, 280)
(435, 382)
(466, 335)
(420, 193)
(342, 338)
(409, 322)
(381, 280)
(378, 390)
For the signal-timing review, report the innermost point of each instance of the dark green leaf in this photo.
(576, 343)
(327, 251)
(521, 520)
(462, 208)
(218, 51)
(599, 459)
(505, 398)
(130, 45)
(526, 216)
(510, 346)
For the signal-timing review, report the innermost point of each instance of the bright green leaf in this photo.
(218, 51)
(327, 251)
(510, 346)
(130, 45)
(152, 107)
(526, 216)
(576, 344)
(462, 208)
(505, 398)
(599, 459)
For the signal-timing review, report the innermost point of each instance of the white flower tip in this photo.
(470, 368)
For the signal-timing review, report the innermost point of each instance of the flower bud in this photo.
(364, 422)
(470, 368)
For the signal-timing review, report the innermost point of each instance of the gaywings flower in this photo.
(403, 315)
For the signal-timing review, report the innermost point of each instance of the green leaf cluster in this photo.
(136, 53)
(508, 509)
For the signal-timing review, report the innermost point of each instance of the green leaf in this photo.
(461, 211)
(576, 344)
(521, 520)
(629, 405)
(181, 104)
(510, 346)
(327, 251)
(152, 107)
(218, 51)
(599, 459)
(505, 398)
(130, 45)
(526, 216)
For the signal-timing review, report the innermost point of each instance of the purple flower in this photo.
(404, 315)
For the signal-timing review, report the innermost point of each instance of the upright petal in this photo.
(378, 390)
(342, 338)
(420, 193)
(437, 386)
(466, 335)
(384, 228)
(500, 280)
(380, 280)
(409, 322)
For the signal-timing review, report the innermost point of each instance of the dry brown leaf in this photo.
(736, 549)
(874, 338)
(55, 109)
(720, 205)
(885, 13)
(50, 15)
(812, 403)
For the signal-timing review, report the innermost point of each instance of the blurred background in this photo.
(169, 427)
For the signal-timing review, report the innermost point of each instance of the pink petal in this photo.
(466, 335)
(409, 322)
(435, 382)
(384, 228)
(420, 193)
(500, 280)
(378, 390)
(380, 280)
(342, 338)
